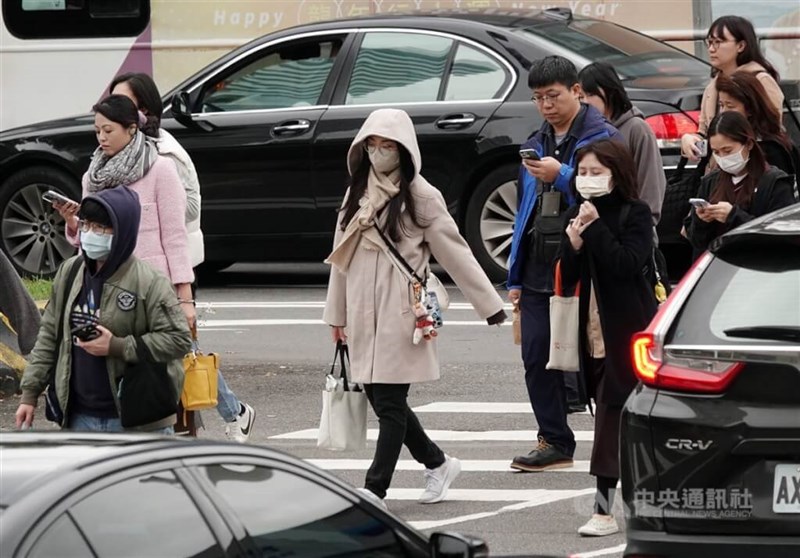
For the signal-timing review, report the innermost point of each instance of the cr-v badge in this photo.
(679, 444)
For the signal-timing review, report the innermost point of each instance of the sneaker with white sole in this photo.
(599, 526)
(240, 429)
(372, 498)
(438, 480)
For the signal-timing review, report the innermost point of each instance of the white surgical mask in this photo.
(383, 160)
(733, 163)
(96, 246)
(593, 186)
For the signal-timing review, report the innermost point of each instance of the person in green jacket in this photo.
(118, 300)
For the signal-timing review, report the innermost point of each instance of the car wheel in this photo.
(489, 222)
(32, 231)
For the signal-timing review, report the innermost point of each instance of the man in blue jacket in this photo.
(545, 191)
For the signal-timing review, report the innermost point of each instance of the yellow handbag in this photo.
(200, 382)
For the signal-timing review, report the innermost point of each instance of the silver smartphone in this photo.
(51, 196)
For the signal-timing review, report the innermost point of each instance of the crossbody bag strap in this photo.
(398, 259)
(70, 279)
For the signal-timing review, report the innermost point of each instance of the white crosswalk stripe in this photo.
(449, 435)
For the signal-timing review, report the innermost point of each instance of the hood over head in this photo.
(625, 116)
(393, 124)
(124, 209)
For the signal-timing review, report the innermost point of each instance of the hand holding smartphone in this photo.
(529, 154)
(51, 196)
(699, 203)
(701, 148)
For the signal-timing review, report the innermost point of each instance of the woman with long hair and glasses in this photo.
(391, 213)
(603, 250)
(603, 90)
(743, 186)
(742, 92)
(732, 46)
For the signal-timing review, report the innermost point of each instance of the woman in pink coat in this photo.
(126, 156)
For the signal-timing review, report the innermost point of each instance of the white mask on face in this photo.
(593, 186)
(733, 163)
(383, 160)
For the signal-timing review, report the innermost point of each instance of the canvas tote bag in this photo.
(564, 328)
(343, 425)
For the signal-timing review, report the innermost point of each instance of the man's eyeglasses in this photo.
(713, 44)
(97, 228)
(550, 98)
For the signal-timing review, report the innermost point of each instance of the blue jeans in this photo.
(98, 424)
(228, 405)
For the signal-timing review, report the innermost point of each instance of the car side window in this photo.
(291, 74)
(287, 515)
(61, 540)
(149, 515)
(475, 76)
(398, 68)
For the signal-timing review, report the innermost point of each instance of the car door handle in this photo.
(291, 127)
(455, 121)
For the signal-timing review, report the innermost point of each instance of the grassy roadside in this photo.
(39, 289)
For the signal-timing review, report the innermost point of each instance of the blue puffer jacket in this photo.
(591, 126)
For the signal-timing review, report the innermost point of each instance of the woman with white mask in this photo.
(743, 187)
(603, 252)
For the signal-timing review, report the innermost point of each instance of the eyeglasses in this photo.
(550, 98)
(382, 149)
(713, 44)
(97, 228)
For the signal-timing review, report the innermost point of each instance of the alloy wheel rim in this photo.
(497, 222)
(33, 232)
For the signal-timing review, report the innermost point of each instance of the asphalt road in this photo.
(264, 321)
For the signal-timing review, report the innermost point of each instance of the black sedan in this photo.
(269, 124)
(80, 494)
(711, 437)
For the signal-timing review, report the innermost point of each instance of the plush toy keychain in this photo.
(424, 326)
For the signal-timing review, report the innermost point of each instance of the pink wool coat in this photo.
(162, 241)
(372, 300)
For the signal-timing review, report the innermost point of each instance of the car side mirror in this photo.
(454, 545)
(182, 112)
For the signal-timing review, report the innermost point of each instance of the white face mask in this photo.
(383, 160)
(733, 163)
(593, 186)
(96, 246)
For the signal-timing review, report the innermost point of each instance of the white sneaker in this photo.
(240, 429)
(372, 498)
(599, 526)
(438, 480)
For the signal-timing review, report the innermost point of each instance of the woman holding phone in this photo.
(743, 186)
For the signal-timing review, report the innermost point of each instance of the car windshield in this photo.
(754, 299)
(632, 54)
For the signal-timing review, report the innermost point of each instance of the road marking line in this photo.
(542, 497)
(602, 552)
(449, 435)
(304, 305)
(477, 407)
(471, 465)
(203, 324)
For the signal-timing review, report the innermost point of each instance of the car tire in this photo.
(32, 231)
(489, 221)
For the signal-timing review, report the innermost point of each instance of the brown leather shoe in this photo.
(544, 457)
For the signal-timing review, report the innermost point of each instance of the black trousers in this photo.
(397, 425)
(546, 388)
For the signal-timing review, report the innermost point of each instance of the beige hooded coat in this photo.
(373, 300)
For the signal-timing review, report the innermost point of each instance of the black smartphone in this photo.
(86, 332)
(529, 154)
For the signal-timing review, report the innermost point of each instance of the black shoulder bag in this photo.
(52, 410)
(681, 186)
(146, 392)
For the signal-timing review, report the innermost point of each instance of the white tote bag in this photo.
(343, 425)
(564, 328)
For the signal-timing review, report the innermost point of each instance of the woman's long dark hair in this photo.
(736, 127)
(147, 95)
(765, 120)
(742, 30)
(404, 199)
(600, 78)
(618, 159)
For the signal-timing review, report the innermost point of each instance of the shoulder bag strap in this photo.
(69, 280)
(398, 259)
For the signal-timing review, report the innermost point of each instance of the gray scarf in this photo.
(126, 167)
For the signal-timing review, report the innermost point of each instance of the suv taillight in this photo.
(694, 375)
(669, 127)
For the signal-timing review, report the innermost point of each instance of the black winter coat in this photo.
(613, 256)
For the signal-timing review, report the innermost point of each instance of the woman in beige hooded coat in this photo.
(370, 302)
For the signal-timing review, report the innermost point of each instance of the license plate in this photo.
(786, 494)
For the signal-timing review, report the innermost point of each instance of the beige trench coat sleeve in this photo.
(335, 313)
(452, 252)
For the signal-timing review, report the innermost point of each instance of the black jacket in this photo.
(613, 256)
(774, 191)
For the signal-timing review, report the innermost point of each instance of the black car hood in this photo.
(80, 123)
